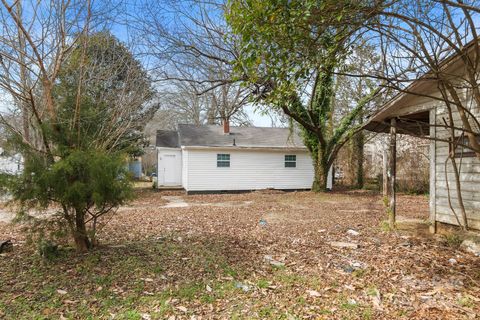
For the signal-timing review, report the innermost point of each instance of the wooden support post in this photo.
(392, 168)
(433, 174)
(385, 173)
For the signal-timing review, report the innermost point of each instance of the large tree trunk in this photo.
(80, 235)
(320, 166)
(358, 146)
(320, 178)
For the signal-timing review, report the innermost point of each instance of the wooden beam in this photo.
(433, 174)
(385, 173)
(392, 172)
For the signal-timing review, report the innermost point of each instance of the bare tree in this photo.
(349, 90)
(190, 53)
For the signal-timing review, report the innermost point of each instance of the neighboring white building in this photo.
(214, 159)
(10, 164)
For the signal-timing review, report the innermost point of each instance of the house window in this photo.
(290, 161)
(223, 160)
(461, 144)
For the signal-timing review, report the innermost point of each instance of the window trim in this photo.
(291, 160)
(461, 151)
(223, 158)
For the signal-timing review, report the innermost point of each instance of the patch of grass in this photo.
(402, 313)
(180, 265)
(466, 301)
(92, 259)
(158, 269)
(301, 301)
(228, 270)
(266, 311)
(290, 279)
(104, 280)
(358, 273)
(325, 312)
(367, 313)
(130, 315)
(385, 226)
(290, 316)
(226, 287)
(385, 201)
(453, 240)
(262, 283)
(372, 291)
(159, 300)
(346, 304)
(207, 298)
(189, 291)
(278, 267)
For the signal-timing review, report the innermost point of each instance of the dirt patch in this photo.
(6, 216)
(209, 260)
(174, 202)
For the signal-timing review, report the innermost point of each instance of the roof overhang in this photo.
(251, 148)
(411, 106)
(168, 148)
(416, 124)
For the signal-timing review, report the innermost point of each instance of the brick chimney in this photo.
(226, 126)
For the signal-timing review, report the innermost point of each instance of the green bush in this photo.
(86, 185)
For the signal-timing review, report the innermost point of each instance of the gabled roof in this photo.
(167, 139)
(247, 137)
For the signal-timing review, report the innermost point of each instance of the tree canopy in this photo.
(291, 51)
(104, 96)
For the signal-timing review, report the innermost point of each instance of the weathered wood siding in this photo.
(445, 180)
(249, 170)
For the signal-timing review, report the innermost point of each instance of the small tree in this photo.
(85, 185)
(100, 101)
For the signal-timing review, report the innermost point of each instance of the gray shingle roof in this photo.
(213, 136)
(167, 139)
(256, 137)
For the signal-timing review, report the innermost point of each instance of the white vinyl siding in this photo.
(249, 170)
(184, 167)
(445, 180)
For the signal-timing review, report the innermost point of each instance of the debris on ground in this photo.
(6, 246)
(472, 246)
(313, 293)
(213, 261)
(353, 232)
(242, 286)
(346, 245)
(273, 262)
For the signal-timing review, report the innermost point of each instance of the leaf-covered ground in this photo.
(257, 255)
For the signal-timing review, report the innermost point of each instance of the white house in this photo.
(215, 158)
(10, 164)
